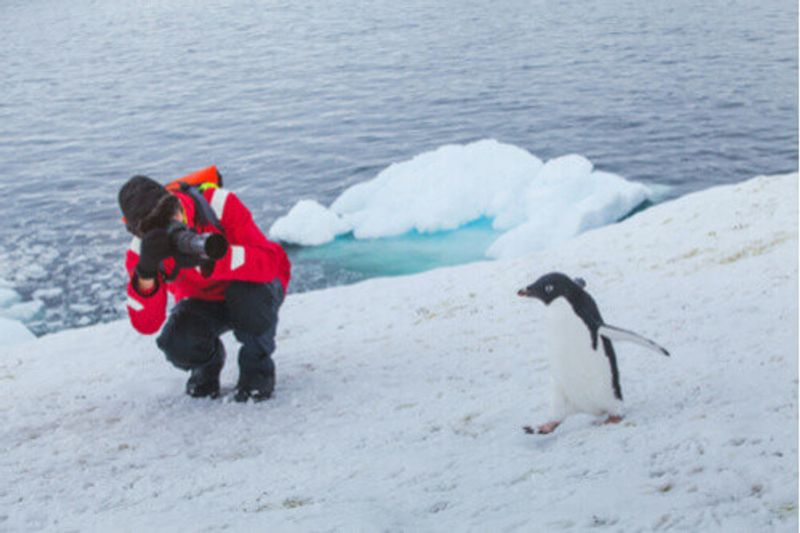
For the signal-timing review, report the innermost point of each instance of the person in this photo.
(241, 291)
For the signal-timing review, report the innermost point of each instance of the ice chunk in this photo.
(8, 297)
(568, 199)
(533, 203)
(439, 190)
(32, 271)
(48, 294)
(23, 311)
(308, 224)
(13, 332)
(82, 309)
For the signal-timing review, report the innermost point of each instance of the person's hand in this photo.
(155, 248)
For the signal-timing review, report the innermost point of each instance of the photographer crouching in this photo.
(199, 242)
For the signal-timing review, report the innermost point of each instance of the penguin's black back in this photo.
(557, 284)
(586, 308)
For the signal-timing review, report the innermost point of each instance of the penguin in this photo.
(583, 363)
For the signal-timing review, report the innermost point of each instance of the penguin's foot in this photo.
(612, 419)
(544, 429)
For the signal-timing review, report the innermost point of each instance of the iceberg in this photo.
(309, 224)
(531, 204)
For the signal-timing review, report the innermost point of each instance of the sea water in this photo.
(301, 100)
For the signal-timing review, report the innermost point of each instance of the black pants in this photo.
(190, 338)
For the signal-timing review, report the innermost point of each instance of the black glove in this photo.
(155, 248)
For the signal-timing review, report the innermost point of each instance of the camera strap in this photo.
(203, 213)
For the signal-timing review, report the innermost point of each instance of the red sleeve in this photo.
(146, 312)
(251, 256)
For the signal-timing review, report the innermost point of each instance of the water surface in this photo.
(300, 100)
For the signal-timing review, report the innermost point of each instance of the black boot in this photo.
(256, 383)
(204, 381)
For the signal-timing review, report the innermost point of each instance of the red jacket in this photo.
(250, 257)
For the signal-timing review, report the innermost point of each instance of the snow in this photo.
(536, 204)
(400, 401)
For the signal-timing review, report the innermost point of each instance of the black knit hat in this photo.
(141, 199)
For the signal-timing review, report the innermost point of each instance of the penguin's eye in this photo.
(548, 289)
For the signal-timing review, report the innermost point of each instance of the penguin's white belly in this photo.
(582, 378)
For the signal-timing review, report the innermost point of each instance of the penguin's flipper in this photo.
(619, 334)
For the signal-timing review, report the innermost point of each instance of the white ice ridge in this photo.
(534, 204)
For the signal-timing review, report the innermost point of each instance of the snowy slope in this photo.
(400, 401)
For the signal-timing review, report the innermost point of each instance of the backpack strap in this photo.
(203, 213)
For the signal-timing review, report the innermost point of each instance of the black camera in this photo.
(203, 246)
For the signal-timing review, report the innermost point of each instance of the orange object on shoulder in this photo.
(208, 175)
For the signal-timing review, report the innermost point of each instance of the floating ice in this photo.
(534, 204)
(48, 294)
(566, 198)
(23, 311)
(32, 271)
(439, 190)
(12, 331)
(82, 309)
(8, 297)
(309, 224)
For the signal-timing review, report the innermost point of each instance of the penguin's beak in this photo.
(522, 292)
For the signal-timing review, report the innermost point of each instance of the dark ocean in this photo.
(298, 100)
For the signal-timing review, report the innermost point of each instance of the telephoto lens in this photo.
(202, 245)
